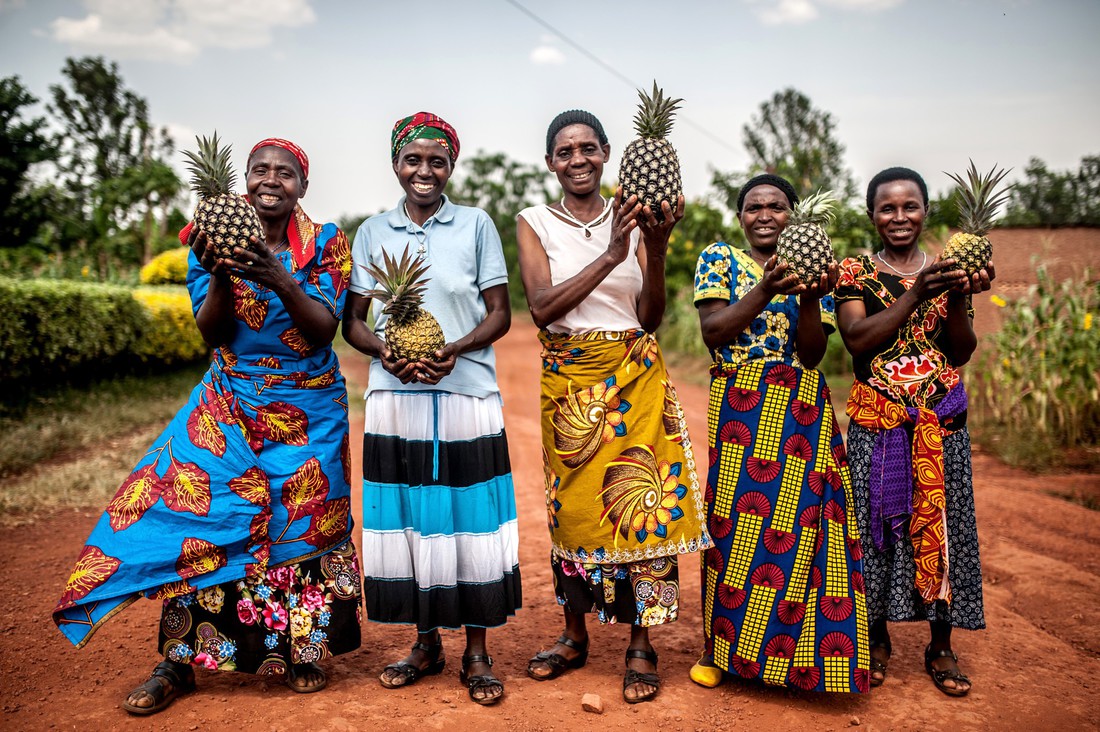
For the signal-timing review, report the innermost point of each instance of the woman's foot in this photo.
(477, 674)
(943, 666)
(169, 680)
(641, 682)
(705, 673)
(565, 654)
(880, 657)
(306, 678)
(426, 659)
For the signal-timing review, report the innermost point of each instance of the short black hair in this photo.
(767, 179)
(889, 176)
(573, 117)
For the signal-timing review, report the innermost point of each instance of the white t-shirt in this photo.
(613, 305)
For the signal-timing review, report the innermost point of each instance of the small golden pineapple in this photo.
(978, 204)
(227, 219)
(650, 168)
(803, 244)
(412, 332)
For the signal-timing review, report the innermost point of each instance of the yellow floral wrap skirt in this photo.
(620, 475)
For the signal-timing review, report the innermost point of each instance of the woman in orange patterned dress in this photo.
(908, 321)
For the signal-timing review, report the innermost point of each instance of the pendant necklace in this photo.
(423, 243)
(923, 261)
(586, 227)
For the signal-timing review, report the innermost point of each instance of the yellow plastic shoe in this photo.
(705, 673)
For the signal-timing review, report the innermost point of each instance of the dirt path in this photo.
(1036, 667)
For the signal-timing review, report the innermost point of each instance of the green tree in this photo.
(112, 162)
(502, 187)
(23, 144)
(1051, 198)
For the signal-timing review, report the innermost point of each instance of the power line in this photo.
(615, 72)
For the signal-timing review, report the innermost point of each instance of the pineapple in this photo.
(803, 244)
(226, 218)
(650, 168)
(978, 204)
(411, 332)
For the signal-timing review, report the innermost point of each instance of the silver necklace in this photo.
(586, 227)
(423, 243)
(923, 261)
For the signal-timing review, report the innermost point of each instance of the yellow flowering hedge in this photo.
(171, 335)
(167, 268)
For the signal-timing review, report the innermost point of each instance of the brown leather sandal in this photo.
(557, 663)
(168, 680)
(638, 677)
(940, 676)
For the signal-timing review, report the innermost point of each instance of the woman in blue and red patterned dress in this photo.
(782, 587)
(238, 517)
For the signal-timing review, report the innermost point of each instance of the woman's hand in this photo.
(206, 252)
(937, 278)
(824, 285)
(434, 369)
(257, 265)
(404, 370)
(655, 235)
(624, 219)
(980, 281)
(776, 280)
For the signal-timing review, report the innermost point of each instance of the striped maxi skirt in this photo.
(440, 537)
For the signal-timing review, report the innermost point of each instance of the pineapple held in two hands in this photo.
(227, 219)
(803, 244)
(412, 332)
(650, 168)
(978, 204)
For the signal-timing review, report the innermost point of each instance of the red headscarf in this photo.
(287, 145)
(424, 125)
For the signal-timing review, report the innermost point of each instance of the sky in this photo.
(927, 84)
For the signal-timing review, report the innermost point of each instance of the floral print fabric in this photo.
(294, 614)
(726, 273)
(619, 468)
(645, 593)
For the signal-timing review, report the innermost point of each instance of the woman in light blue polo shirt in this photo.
(440, 543)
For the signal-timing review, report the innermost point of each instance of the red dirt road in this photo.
(1037, 667)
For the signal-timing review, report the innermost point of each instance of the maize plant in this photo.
(1038, 386)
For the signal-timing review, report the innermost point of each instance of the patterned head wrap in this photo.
(573, 117)
(767, 179)
(287, 145)
(427, 126)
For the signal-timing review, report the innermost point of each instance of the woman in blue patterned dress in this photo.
(782, 586)
(238, 517)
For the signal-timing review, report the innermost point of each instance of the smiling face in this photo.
(423, 168)
(577, 159)
(274, 183)
(763, 216)
(898, 213)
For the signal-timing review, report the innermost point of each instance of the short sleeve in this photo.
(713, 273)
(328, 279)
(827, 305)
(850, 284)
(492, 270)
(361, 281)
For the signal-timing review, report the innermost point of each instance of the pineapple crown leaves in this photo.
(654, 117)
(817, 208)
(210, 167)
(401, 283)
(979, 198)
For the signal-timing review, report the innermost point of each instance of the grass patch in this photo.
(1090, 502)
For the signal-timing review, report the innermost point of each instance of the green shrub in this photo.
(1037, 388)
(171, 336)
(167, 268)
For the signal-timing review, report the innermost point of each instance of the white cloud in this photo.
(177, 30)
(779, 12)
(547, 56)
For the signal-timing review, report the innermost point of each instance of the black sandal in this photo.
(482, 681)
(169, 680)
(297, 670)
(938, 676)
(637, 677)
(408, 674)
(877, 666)
(558, 663)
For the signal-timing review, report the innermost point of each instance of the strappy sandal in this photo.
(558, 663)
(408, 673)
(481, 681)
(877, 666)
(298, 670)
(169, 680)
(938, 676)
(637, 677)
